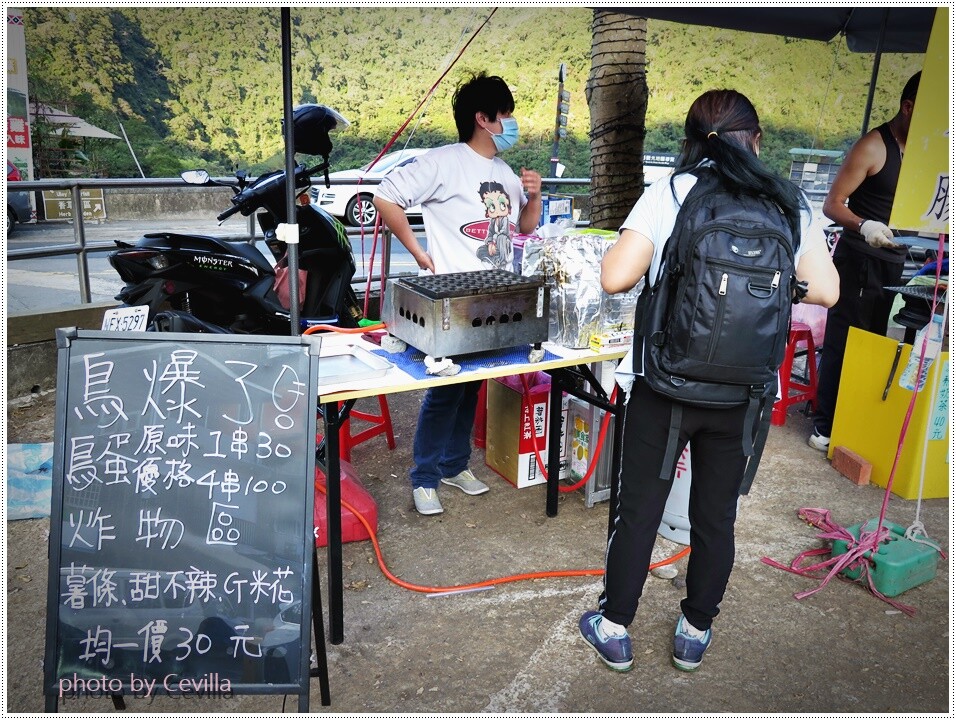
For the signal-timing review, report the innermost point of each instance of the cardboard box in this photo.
(675, 523)
(584, 430)
(515, 428)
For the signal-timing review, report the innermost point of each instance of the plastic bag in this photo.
(282, 287)
(813, 315)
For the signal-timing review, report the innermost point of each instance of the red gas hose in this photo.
(486, 583)
(605, 421)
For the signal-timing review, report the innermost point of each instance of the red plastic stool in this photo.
(804, 392)
(381, 423)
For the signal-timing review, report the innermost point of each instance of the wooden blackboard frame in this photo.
(297, 475)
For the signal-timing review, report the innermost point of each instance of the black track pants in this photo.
(717, 467)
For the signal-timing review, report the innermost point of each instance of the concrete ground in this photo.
(516, 648)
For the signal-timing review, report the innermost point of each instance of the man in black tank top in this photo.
(866, 257)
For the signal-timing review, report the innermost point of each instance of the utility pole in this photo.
(560, 123)
(130, 146)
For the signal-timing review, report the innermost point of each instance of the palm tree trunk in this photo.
(617, 99)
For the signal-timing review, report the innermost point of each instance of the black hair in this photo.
(488, 94)
(911, 87)
(722, 126)
(490, 186)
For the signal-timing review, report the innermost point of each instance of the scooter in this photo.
(199, 283)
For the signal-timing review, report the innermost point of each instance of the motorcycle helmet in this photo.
(311, 125)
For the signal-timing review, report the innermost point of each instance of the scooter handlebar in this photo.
(246, 200)
(228, 213)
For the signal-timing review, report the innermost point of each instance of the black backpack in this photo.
(713, 328)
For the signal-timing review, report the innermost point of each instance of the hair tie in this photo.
(712, 133)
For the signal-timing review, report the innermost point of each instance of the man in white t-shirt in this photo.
(472, 205)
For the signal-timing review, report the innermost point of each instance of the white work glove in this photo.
(877, 234)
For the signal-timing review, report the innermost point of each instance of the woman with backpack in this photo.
(721, 148)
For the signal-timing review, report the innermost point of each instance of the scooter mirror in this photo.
(195, 177)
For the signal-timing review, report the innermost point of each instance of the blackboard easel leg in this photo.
(119, 703)
(333, 499)
(318, 627)
(51, 703)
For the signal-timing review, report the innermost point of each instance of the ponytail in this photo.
(722, 127)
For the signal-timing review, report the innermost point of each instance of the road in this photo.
(48, 283)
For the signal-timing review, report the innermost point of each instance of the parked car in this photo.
(353, 202)
(18, 203)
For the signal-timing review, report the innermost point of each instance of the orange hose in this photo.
(350, 331)
(542, 467)
(487, 583)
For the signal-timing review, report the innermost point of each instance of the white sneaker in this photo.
(426, 501)
(818, 441)
(467, 483)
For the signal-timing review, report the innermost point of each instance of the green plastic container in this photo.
(898, 564)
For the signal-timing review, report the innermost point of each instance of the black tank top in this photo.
(873, 199)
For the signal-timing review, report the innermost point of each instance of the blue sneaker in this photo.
(689, 649)
(615, 650)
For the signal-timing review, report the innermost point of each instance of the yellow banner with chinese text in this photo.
(922, 193)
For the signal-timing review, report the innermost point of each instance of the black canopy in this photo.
(867, 29)
(907, 28)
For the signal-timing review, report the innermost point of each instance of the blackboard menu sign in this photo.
(181, 524)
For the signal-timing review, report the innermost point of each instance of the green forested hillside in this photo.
(202, 86)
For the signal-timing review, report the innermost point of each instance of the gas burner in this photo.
(464, 284)
(467, 312)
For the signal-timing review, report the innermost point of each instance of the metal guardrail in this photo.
(81, 248)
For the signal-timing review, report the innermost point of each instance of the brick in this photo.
(852, 466)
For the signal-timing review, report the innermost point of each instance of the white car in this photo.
(353, 202)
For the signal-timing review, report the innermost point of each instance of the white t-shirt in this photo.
(654, 215)
(470, 206)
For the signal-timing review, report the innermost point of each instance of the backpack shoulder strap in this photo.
(706, 177)
(673, 436)
(707, 182)
(755, 436)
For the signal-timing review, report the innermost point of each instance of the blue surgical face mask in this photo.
(508, 135)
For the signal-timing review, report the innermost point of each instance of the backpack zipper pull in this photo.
(723, 284)
(776, 280)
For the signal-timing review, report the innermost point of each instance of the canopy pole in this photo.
(876, 72)
(292, 243)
